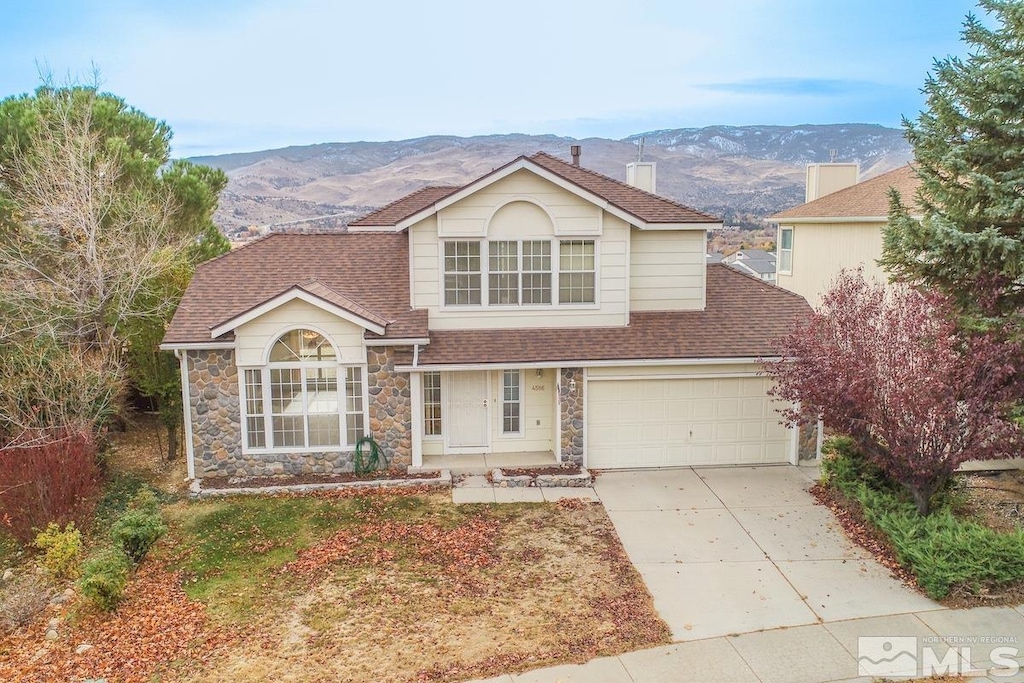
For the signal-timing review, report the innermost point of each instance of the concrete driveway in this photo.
(740, 549)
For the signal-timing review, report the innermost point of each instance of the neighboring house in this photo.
(842, 229)
(756, 262)
(542, 309)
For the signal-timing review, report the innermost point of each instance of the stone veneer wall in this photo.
(217, 433)
(213, 399)
(390, 406)
(570, 406)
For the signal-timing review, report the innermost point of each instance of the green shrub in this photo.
(118, 495)
(943, 551)
(139, 527)
(104, 577)
(844, 466)
(63, 548)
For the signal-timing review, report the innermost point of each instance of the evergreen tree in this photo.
(969, 154)
(99, 235)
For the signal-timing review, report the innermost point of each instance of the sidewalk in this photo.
(477, 489)
(812, 654)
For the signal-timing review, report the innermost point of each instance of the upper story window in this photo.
(462, 273)
(519, 272)
(785, 251)
(576, 272)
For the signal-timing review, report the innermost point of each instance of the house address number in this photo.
(538, 387)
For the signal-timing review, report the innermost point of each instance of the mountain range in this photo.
(741, 173)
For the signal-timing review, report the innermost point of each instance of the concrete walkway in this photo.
(757, 583)
(476, 489)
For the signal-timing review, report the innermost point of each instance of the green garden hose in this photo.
(375, 460)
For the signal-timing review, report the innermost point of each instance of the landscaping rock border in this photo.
(581, 480)
(442, 481)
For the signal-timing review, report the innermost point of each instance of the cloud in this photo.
(815, 87)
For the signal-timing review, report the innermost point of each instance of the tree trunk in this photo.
(922, 499)
(172, 442)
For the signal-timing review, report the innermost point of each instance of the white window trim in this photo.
(268, 416)
(484, 304)
(501, 431)
(442, 395)
(779, 250)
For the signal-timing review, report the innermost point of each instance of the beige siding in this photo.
(666, 270)
(537, 416)
(252, 338)
(425, 264)
(821, 251)
(522, 206)
(572, 214)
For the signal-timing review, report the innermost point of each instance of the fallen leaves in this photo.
(453, 552)
(155, 625)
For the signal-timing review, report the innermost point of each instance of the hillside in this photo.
(739, 173)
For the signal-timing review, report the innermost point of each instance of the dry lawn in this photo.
(376, 586)
(437, 593)
(383, 586)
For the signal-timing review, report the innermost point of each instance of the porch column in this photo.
(416, 388)
(570, 407)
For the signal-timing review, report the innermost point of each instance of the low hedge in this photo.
(943, 550)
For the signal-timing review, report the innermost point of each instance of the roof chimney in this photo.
(574, 150)
(823, 179)
(642, 174)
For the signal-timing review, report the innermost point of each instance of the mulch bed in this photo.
(298, 479)
(535, 471)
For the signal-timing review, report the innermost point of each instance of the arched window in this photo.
(303, 399)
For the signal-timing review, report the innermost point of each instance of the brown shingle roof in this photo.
(409, 205)
(743, 318)
(648, 207)
(367, 272)
(866, 199)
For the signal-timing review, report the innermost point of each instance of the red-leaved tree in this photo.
(891, 369)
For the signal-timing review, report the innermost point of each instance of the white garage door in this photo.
(666, 422)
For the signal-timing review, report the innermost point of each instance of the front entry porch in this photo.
(481, 463)
(476, 420)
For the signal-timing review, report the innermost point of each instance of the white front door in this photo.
(468, 416)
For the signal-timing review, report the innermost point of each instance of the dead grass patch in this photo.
(442, 593)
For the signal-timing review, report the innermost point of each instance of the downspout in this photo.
(416, 409)
(187, 410)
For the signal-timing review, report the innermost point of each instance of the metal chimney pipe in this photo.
(574, 150)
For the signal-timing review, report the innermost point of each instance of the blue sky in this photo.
(233, 75)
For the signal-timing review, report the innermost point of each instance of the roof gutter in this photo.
(584, 363)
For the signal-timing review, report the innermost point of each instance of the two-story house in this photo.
(839, 227)
(542, 313)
